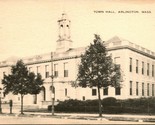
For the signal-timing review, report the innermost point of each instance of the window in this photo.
(55, 70)
(136, 88)
(65, 92)
(117, 91)
(130, 67)
(105, 91)
(4, 94)
(46, 71)
(30, 69)
(152, 70)
(148, 66)
(142, 89)
(152, 89)
(3, 74)
(65, 73)
(130, 87)
(65, 69)
(38, 70)
(83, 98)
(136, 66)
(142, 67)
(43, 92)
(148, 89)
(93, 92)
(117, 61)
(118, 65)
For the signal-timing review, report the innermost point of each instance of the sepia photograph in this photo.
(77, 62)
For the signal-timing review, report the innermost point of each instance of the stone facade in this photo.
(136, 62)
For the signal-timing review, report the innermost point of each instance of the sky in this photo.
(30, 27)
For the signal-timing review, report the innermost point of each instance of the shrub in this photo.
(91, 102)
(110, 106)
(109, 101)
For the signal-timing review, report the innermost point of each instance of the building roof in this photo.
(115, 39)
(12, 59)
(111, 44)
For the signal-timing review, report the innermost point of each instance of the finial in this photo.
(64, 16)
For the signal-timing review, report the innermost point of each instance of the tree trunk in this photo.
(22, 104)
(99, 102)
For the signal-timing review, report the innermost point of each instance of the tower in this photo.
(64, 42)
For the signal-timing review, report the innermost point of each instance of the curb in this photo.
(105, 118)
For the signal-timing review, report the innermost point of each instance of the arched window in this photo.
(61, 25)
(43, 91)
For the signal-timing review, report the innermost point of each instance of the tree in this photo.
(97, 69)
(22, 82)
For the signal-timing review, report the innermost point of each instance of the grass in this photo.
(43, 110)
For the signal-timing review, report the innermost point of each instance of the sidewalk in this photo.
(111, 117)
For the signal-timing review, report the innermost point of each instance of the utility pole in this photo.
(52, 86)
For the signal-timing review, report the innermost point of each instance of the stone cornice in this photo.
(131, 48)
(46, 61)
(109, 49)
(78, 56)
(4, 66)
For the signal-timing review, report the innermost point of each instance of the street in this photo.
(45, 120)
(69, 118)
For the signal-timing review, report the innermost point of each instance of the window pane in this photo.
(118, 91)
(130, 87)
(148, 89)
(152, 89)
(152, 70)
(136, 88)
(105, 91)
(93, 92)
(148, 66)
(56, 70)
(136, 66)
(65, 69)
(38, 69)
(142, 67)
(46, 71)
(65, 73)
(65, 92)
(130, 66)
(142, 89)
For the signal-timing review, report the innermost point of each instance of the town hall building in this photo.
(137, 67)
